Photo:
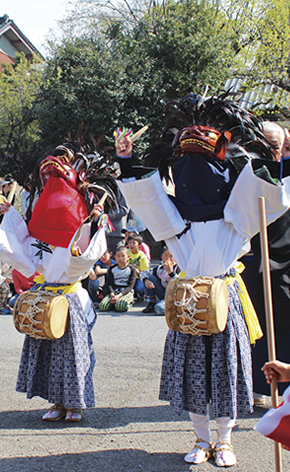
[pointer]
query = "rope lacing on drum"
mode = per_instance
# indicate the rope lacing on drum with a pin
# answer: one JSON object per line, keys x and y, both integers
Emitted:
{"x": 188, "y": 302}
{"x": 33, "y": 309}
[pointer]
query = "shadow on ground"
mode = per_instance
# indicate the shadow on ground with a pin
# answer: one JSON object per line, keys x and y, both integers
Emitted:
{"x": 101, "y": 418}
{"x": 124, "y": 460}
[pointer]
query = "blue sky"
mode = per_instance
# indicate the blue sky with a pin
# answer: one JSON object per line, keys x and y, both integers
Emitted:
{"x": 35, "y": 18}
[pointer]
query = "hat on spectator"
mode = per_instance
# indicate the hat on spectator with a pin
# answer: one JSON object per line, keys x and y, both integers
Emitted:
{"x": 130, "y": 229}
{"x": 6, "y": 180}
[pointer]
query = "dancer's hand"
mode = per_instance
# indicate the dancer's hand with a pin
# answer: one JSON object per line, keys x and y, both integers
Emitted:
{"x": 97, "y": 211}
{"x": 124, "y": 148}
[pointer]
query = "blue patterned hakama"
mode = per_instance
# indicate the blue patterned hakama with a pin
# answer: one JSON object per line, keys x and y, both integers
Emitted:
{"x": 60, "y": 371}
{"x": 197, "y": 369}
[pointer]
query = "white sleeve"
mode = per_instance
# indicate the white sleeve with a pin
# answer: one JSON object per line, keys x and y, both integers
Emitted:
{"x": 241, "y": 209}
{"x": 77, "y": 265}
{"x": 15, "y": 243}
{"x": 150, "y": 202}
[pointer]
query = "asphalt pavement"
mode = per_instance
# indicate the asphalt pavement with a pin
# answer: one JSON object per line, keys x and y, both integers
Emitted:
{"x": 129, "y": 430}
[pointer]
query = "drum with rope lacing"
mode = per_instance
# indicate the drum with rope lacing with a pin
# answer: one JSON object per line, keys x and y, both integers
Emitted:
{"x": 197, "y": 305}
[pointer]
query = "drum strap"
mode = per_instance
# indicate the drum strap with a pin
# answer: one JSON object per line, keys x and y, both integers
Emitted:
{"x": 56, "y": 288}
{"x": 254, "y": 328}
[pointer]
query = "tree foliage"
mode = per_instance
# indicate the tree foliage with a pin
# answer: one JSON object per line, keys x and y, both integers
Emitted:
{"x": 19, "y": 124}
{"x": 262, "y": 37}
{"x": 258, "y": 30}
{"x": 122, "y": 75}
{"x": 80, "y": 85}
{"x": 120, "y": 60}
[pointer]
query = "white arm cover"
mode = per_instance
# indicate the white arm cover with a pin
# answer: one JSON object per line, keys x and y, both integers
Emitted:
{"x": 15, "y": 248}
{"x": 150, "y": 202}
{"x": 241, "y": 209}
{"x": 76, "y": 266}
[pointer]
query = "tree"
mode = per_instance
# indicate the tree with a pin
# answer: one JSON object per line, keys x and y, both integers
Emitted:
{"x": 255, "y": 34}
{"x": 123, "y": 74}
{"x": 180, "y": 47}
{"x": 19, "y": 125}
{"x": 262, "y": 38}
{"x": 80, "y": 85}
{"x": 88, "y": 16}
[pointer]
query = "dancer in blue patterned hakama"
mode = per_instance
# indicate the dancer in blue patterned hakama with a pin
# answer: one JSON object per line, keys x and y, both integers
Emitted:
{"x": 63, "y": 239}
{"x": 59, "y": 370}
{"x": 192, "y": 373}
{"x": 207, "y": 226}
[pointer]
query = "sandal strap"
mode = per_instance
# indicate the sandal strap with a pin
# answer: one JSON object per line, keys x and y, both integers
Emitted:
{"x": 207, "y": 450}
{"x": 58, "y": 407}
{"x": 202, "y": 441}
{"x": 222, "y": 446}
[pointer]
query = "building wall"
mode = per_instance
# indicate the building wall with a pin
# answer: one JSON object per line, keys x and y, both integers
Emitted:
{"x": 4, "y": 58}
{"x": 7, "y": 47}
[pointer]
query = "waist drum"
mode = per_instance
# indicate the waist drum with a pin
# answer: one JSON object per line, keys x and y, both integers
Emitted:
{"x": 197, "y": 305}
{"x": 41, "y": 314}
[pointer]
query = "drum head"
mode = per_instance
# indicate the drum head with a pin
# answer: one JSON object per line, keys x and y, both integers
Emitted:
{"x": 218, "y": 307}
{"x": 170, "y": 309}
{"x": 41, "y": 314}
{"x": 56, "y": 323}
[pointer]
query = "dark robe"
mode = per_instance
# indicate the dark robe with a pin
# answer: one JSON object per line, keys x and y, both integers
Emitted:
{"x": 279, "y": 255}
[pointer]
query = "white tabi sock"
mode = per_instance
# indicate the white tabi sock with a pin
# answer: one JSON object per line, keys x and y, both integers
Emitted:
{"x": 201, "y": 426}
{"x": 225, "y": 426}
{"x": 224, "y": 454}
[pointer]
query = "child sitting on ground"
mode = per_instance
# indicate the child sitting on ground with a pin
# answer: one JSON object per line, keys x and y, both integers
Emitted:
{"x": 121, "y": 278}
{"x": 98, "y": 274}
{"x": 137, "y": 260}
{"x": 156, "y": 281}
{"x": 143, "y": 246}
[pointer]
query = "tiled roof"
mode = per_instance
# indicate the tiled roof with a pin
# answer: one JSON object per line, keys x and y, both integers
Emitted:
{"x": 260, "y": 97}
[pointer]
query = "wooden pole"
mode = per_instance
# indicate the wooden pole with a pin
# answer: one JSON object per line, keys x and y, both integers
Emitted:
{"x": 103, "y": 199}
{"x": 139, "y": 133}
{"x": 269, "y": 314}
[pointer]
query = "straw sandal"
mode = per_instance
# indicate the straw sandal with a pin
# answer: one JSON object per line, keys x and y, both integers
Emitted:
{"x": 56, "y": 413}
{"x": 260, "y": 401}
{"x": 223, "y": 453}
{"x": 73, "y": 414}
{"x": 202, "y": 454}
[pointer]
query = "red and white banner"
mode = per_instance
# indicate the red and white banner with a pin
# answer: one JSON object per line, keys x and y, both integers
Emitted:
{"x": 275, "y": 424}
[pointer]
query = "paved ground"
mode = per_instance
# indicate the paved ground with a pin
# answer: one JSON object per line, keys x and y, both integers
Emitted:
{"x": 129, "y": 430}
